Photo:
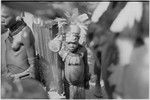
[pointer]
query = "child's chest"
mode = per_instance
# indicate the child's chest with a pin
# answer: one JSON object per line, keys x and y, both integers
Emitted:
{"x": 75, "y": 59}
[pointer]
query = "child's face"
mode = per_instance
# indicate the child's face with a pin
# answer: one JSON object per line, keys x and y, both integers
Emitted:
{"x": 72, "y": 37}
{"x": 72, "y": 46}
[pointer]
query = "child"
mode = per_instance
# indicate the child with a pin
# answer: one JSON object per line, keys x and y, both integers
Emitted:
{"x": 68, "y": 44}
{"x": 76, "y": 68}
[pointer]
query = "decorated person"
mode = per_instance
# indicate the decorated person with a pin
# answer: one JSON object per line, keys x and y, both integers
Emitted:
{"x": 69, "y": 45}
{"x": 20, "y": 51}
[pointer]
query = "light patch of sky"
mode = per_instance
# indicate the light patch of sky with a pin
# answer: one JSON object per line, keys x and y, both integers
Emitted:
{"x": 98, "y": 12}
{"x": 126, "y": 18}
{"x": 125, "y": 48}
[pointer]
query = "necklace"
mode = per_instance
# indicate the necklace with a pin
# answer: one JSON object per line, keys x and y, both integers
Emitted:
{"x": 15, "y": 29}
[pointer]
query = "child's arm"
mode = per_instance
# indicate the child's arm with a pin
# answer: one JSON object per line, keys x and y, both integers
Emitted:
{"x": 87, "y": 74}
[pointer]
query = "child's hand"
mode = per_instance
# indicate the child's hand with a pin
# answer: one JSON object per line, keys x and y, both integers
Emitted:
{"x": 87, "y": 78}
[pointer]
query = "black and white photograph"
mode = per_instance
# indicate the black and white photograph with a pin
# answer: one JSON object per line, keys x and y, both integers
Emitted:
{"x": 67, "y": 49}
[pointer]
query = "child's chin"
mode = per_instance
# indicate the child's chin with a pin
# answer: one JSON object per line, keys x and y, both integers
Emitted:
{"x": 72, "y": 49}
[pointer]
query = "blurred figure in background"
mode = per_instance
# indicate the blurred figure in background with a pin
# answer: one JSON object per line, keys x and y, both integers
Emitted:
{"x": 123, "y": 43}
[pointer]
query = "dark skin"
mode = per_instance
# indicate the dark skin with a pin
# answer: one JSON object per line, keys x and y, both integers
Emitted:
{"x": 20, "y": 51}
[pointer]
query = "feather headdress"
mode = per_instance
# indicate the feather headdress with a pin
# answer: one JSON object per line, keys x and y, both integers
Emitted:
{"x": 73, "y": 18}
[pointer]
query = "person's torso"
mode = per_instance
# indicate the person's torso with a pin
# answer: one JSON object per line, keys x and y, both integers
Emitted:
{"x": 16, "y": 56}
{"x": 74, "y": 73}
